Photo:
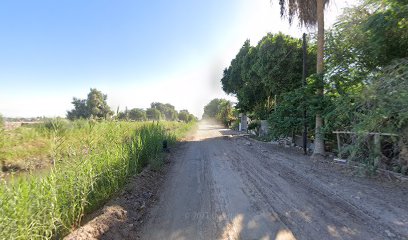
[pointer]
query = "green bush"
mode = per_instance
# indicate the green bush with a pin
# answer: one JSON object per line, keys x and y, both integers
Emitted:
{"x": 235, "y": 124}
{"x": 255, "y": 125}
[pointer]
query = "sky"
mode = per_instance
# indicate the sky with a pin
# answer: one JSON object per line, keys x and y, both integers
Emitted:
{"x": 136, "y": 52}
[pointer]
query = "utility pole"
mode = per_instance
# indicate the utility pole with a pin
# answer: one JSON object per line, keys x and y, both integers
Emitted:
{"x": 304, "y": 74}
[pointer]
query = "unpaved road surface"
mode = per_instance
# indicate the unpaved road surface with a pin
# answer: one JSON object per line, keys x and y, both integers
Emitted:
{"x": 223, "y": 186}
{"x": 219, "y": 185}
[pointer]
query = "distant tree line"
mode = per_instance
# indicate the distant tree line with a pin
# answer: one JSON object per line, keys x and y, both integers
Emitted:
{"x": 96, "y": 107}
{"x": 156, "y": 112}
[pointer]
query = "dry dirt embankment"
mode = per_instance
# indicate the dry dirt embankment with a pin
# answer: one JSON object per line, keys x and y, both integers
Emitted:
{"x": 222, "y": 186}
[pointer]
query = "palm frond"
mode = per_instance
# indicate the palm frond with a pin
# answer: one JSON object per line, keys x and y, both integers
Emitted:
{"x": 304, "y": 10}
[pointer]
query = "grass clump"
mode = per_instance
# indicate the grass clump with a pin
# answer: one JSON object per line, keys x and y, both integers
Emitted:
{"x": 91, "y": 162}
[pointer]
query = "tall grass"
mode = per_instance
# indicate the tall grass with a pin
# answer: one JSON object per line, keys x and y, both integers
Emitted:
{"x": 88, "y": 169}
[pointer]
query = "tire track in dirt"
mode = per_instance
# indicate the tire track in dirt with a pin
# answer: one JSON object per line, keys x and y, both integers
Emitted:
{"x": 224, "y": 186}
{"x": 266, "y": 171}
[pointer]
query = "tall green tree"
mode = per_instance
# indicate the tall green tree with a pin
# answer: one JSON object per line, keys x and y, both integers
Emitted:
{"x": 260, "y": 74}
{"x": 311, "y": 13}
{"x": 95, "y": 106}
{"x": 220, "y": 109}
{"x": 371, "y": 35}
{"x": 363, "y": 42}
{"x": 80, "y": 109}
{"x": 211, "y": 109}
{"x": 225, "y": 113}
{"x": 241, "y": 79}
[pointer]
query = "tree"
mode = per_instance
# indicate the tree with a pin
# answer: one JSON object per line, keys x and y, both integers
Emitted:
{"x": 225, "y": 112}
{"x": 211, "y": 109}
{"x": 80, "y": 109}
{"x": 153, "y": 114}
{"x": 219, "y": 109}
{"x": 123, "y": 115}
{"x": 137, "y": 114}
{"x": 168, "y": 111}
{"x": 372, "y": 34}
{"x": 185, "y": 116}
{"x": 241, "y": 79}
{"x": 260, "y": 74}
{"x": 97, "y": 105}
{"x": 357, "y": 52}
{"x": 311, "y": 13}
{"x": 94, "y": 106}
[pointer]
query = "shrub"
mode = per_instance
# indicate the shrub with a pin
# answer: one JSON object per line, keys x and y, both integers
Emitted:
{"x": 255, "y": 125}
{"x": 235, "y": 124}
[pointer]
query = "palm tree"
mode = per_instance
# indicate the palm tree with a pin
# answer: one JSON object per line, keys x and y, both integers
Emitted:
{"x": 311, "y": 13}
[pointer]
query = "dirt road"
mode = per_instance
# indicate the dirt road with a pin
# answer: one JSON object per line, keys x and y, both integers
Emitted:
{"x": 228, "y": 187}
{"x": 223, "y": 186}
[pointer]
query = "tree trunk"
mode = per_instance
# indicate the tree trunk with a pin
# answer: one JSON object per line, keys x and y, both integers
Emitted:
{"x": 319, "y": 136}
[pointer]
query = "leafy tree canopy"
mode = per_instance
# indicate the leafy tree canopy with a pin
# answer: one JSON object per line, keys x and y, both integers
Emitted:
{"x": 259, "y": 73}
{"x": 168, "y": 111}
{"x": 137, "y": 114}
{"x": 185, "y": 116}
{"x": 153, "y": 114}
{"x": 220, "y": 109}
{"x": 95, "y": 106}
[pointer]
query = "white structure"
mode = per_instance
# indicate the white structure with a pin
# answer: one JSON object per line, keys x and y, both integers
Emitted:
{"x": 243, "y": 125}
{"x": 264, "y": 128}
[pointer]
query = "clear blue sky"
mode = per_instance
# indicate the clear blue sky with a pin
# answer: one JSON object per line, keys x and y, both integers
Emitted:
{"x": 135, "y": 51}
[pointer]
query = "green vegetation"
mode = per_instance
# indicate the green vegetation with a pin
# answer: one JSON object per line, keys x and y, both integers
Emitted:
{"x": 91, "y": 161}
{"x": 255, "y": 126}
{"x": 185, "y": 116}
{"x": 259, "y": 73}
{"x": 311, "y": 13}
{"x": 221, "y": 110}
{"x": 364, "y": 82}
{"x": 94, "y": 106}
{"x": 25, "y": 148}
{"x": 154, "y": 114}
{"x": 135, "y": 114}
{"x": 168, "y": 112}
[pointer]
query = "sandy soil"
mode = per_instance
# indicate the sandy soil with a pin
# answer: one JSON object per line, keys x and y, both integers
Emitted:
{"x": 223, "y": 186}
